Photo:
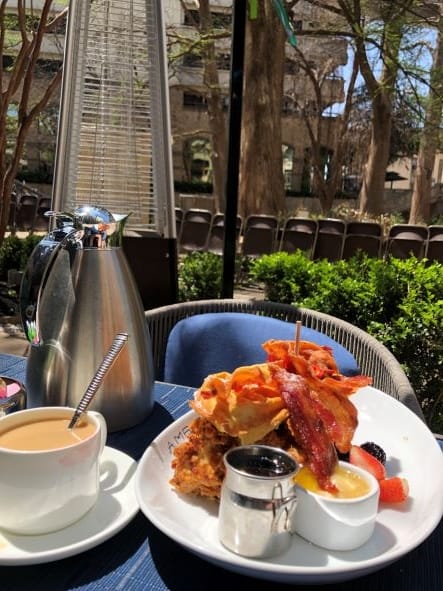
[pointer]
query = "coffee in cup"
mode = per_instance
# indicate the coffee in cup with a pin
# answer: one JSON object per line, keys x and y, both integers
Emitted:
{"x": 46, "y": 434}
{"x": 49, "y": 474}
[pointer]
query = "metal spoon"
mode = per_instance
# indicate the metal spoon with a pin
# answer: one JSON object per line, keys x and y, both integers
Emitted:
{"x": 105, "y": 366}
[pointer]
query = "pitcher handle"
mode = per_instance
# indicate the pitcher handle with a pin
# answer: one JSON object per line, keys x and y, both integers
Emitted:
{"x": 35, "y": 277}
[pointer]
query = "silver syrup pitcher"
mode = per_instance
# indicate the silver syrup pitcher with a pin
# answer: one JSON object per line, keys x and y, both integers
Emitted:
{"x": 77, "y": 293}
{"x": 257, "y": 501}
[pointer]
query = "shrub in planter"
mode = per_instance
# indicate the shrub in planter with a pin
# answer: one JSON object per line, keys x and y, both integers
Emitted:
{"x": 11, "y": 251}
{"x": 29, "y": 243}
{"x": 200, "y": 276}
{"x": 415, "y": 332}
{"x": 360, "y": 290}
{"x": 416, "y": 338}
{"x": 286, "y": 277}
{"x": 397, "y": 301}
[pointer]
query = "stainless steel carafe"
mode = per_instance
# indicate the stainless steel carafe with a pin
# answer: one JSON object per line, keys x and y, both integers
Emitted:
{"x": 77, "y": 293}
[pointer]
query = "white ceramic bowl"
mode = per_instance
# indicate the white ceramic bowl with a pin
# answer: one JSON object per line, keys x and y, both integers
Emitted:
{"x": 337, "y": 523}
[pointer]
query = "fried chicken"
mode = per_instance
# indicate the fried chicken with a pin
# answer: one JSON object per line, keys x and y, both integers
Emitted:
{"x": 198, "y": 462}
{"x": 297, "y": 401}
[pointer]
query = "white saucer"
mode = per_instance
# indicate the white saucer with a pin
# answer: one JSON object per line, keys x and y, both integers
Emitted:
{"x": 116, "y": 506}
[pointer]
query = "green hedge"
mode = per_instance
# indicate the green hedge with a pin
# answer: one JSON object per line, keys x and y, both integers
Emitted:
{"x": 200, "y": 276}
{"x": 397, "y": 301}
{"x": 15, "y": 252}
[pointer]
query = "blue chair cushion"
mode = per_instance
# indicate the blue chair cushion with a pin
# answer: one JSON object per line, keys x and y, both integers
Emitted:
{"x": 209, "y": 343}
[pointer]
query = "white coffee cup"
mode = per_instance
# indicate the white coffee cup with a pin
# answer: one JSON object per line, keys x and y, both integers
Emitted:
{"x": 44, "y": 491}
{"x": 337, "y": 523}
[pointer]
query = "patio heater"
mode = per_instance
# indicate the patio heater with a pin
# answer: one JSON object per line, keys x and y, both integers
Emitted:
{"x": 113, "y": 145}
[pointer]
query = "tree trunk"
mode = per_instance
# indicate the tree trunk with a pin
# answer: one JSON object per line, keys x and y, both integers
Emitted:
{"x": 381, "y": 92}
{"x": 261, "y": 186}
{"x": 17, "y": 89}
{"x": 217, "y": 121}
{"x": 373, "y": 187}
{"x": 421, "y": 194}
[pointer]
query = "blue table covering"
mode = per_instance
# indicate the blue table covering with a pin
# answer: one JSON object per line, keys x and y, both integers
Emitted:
{"x": 141, "y": 558}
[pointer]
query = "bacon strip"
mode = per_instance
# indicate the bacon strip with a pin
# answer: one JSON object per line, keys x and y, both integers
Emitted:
{"x": 316, "y": 363}
{"x": 339, "y": 416}
{"x": 308, "y": 427}
{"x": 328, "y": 387}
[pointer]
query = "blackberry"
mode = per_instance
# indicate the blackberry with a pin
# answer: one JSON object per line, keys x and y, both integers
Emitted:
{"x": 375, "y": 450}
{"x": 343, "y": 456}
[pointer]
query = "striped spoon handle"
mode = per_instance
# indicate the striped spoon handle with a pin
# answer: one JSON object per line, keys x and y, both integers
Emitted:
{"x": 105, "y": 366}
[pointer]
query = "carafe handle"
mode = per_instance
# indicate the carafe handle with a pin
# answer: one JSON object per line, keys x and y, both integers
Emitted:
{"x": 39, "y": 266}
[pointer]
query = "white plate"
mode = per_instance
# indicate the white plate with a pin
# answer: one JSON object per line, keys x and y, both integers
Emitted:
{"x": 116, "y": 506}
{"x": 412, "y": 452}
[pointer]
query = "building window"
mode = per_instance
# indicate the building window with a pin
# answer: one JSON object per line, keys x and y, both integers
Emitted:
{"x": 326, "y": 157}
{"x": 48, "y": 66}
{"x": 220, "y": 20}
{"x": 290, "y": 106}
{"x": 292, "y": 67}
{"x": 195, "y": 101}
{"x": 288, "y": 153}
{"x": 8, "y": 62}
{"x": 307, "y": 170}
{"x": 306, "y": 175}
{"x": 224, "y": 61}
{"x": 191, "y": 18}
{"x": 192, "y": 60}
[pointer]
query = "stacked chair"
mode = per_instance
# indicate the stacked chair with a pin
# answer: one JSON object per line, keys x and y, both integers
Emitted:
{"x": 259, "y": 235}
{"x": 366, "y": 237}
{"x": 27, "y": 209}
{"x": 298, "y": 233}
{"x": 405, "y": 240}
{"x": 326, "y": 238}
{"x": 178, "y": 220}
{"x": 12, "y": 213}
{"x": 41, "y": 221}
{"x": 194, "y": 231}
{"x": 434, "y": 246}
{"x": 216, "y": 238}
{"x": 330, "y": 237}
{"x": 26, "y": 212}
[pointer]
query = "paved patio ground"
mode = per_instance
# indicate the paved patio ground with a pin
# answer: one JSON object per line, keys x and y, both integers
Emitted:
{"x": 12, "y": 338}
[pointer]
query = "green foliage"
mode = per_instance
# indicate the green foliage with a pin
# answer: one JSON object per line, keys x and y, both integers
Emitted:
{"x": 200, "y": 276}
{"x": 15, "y": 252}
{"x": 41, "y": 175}
{"x": 286, "y": 276}
{"x": 416, "y": 338}
{"x": 28, "y": 245}
{"x": 11, "y": 251}
{"x": 397, "y": 301}
{"x": 343, "y": 289}
{"x": 243, "y": 265}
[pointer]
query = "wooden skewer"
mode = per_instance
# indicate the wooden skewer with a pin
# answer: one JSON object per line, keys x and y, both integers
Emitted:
{"x": 297, "y": 336}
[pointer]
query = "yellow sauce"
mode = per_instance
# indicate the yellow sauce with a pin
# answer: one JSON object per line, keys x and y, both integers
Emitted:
{"x": 350, "y": 484}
